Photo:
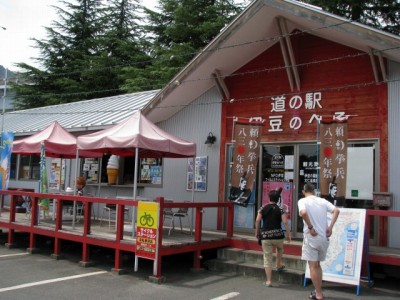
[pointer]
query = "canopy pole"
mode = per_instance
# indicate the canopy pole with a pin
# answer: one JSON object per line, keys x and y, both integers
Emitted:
{"x": 74, "y": 185}
{"x": 193, "y": 183}
{"x": 135, "y": 187}
{"x": 136, "y": 263}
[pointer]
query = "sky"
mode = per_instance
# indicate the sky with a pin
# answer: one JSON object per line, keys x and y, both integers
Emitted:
{"x": 23, "y": 20}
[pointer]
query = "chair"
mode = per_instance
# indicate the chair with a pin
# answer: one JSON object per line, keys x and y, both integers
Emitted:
{"x": 112, "y": 209}
{"x": 182, "y": 212}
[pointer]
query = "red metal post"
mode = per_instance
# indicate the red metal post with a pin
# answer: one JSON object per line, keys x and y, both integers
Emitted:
{"x": 57, "y": 246}
{"x": 86, "y": 218}
{"x": 59, "y": 209}
{"x": 13, "y": 208}
{"x": 198, "y": 224}
{"x": 120, "y": 222}
{"x": 85, "y": 252}
{"x": 160, "y": 201}
{"x": 34, "y": 211}
{"x": 197, "y": 260}
{"x": 117, "y": 260}
{"x": 229, "y": 225}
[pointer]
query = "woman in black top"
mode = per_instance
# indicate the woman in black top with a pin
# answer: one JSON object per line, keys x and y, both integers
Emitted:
{"x": 271, "y": 233}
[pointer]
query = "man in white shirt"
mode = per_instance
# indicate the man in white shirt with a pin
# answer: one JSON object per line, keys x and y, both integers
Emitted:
{"x": 316, "y": 233}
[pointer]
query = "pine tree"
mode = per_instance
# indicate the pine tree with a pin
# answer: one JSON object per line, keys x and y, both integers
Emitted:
{"x": 83, "y": 53}
{"x": 381, "y": 14}
{"x": 178, "y": 31}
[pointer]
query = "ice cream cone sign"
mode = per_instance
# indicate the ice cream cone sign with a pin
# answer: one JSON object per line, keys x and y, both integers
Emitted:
{"x": 112, "y": 169}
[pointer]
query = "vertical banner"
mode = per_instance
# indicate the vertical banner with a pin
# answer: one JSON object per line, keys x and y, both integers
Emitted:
{"x": 247, "y": 136}
{"x": 7, "y": 139}
{"x": 147, "y": 225}
{"x": 333, "y": 162}
{"x": 44, "y": 184}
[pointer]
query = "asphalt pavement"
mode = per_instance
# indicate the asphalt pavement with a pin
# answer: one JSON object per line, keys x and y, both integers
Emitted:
{"x": 39, "y": 276}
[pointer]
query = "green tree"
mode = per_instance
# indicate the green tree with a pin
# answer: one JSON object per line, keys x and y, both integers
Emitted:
{"x": 381, "y": 14}
{"x": 68, "y": 50}
{"x": 177, "y": 31}
{"x": 83, "y": 53}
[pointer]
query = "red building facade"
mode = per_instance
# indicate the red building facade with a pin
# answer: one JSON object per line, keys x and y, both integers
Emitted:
{"x": 330, "y": 81}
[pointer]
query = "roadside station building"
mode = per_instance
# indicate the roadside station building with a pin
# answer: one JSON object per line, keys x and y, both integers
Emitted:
{"x": 291, "y": 65}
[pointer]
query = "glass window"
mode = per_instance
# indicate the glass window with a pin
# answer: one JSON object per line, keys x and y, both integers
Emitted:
{"x": 278, "y": 174}
{"x": 29, "y": 167}
{"x": 150, "y": 170}
{"x": 13, "y": 166}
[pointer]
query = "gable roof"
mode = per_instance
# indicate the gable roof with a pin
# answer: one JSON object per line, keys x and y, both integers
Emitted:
{"x": 94, "y": 114}
{"x": 254, "y": 31}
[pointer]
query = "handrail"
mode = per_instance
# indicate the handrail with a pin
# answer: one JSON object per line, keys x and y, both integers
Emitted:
{"x": 85, "y": 236}
{"x": 382, "y": 230}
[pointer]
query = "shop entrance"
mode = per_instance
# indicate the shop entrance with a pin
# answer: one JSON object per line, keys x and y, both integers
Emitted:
{"x": 287, "y": 167}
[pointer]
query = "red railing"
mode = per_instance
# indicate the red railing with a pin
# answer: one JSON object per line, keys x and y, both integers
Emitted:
{"x": 119, "y": 243}
{"x": 389, "y": 256}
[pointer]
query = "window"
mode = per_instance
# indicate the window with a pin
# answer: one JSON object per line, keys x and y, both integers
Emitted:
{"x": 13, "y": 166}
{"x": 29, "y": 167}
{"x": 150, "y": 170}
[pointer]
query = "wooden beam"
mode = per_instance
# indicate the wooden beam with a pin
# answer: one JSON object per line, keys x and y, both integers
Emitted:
{"x": 383, "y": 67}
{"x": 291, "y": 53}
{"x": 373, "y": 64}
{"x": 284, "y": 54}
{"x": 219, "y": 81}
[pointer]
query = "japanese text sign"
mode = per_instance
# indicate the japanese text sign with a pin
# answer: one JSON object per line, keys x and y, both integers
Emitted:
{"x": 333, "y": 161}
{"x": 245, "y": 157}
{"x": 147, "y": 230}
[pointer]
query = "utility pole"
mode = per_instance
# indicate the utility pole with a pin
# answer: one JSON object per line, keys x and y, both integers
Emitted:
{"x": 4, "y": 106}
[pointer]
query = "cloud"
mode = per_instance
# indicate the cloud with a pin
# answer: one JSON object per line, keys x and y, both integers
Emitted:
{"x": 24, "y": 19}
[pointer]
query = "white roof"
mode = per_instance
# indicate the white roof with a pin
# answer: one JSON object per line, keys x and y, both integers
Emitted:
{"x": 88, "y": 115}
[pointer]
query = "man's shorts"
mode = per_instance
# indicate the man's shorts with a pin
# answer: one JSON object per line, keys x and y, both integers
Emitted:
{"x": 314, "y": 247}
{"x": 268, "y": 247}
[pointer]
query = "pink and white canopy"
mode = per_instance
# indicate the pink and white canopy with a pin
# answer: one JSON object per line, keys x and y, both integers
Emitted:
{"x": 58, "y": 142}
{"x": 136, "y": 132}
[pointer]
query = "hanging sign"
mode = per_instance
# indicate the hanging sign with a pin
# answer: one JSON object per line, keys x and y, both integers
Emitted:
{"x": 7, "y": 139}
{"x": 247, "y": 134}
{"x": 333, "y": 161}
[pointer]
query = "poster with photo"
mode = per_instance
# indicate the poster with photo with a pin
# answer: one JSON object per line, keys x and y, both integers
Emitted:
{"x": 197, "y": 174}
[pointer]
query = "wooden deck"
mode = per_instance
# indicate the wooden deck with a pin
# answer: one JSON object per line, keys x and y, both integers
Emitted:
{"x": 88, "y": 230}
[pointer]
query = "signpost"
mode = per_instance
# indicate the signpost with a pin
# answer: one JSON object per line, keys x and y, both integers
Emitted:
{"x": 147, "y": 231}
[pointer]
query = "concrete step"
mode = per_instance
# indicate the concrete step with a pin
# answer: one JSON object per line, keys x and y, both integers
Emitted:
{"x": 251, "y": 263}
{"x": 256, "y": 257}
{"x": 289, "y": 276}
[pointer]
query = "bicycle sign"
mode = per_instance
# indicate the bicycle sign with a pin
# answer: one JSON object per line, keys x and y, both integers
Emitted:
{"x": 146, "y": 220}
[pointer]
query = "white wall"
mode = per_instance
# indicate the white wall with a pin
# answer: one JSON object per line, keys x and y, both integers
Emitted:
{"x": 394, "y": 149}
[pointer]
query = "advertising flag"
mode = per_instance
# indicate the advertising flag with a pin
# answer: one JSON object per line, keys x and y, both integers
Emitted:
{"x": 7, "y": 139}
{"x": 333, "y": 161}
{"x": 246, "y": 149}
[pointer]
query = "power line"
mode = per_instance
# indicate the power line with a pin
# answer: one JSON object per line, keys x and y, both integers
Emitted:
{"x": 271, "y": 39}
{"x": 333, "y": 59}
{"x": 245, "y": 99}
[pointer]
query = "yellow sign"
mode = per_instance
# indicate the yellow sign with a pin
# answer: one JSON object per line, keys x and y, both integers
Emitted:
{"x": 147, "y": 230}
{"x": 148, "y": 214}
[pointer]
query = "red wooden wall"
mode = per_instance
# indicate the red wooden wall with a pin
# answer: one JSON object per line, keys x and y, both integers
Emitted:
{"x": 343, "y": 75}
